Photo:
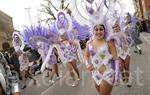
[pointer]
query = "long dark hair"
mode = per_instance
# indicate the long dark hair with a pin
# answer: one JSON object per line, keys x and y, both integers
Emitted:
{"x": 105, "y": 33}
{"x": 100, "y": 25}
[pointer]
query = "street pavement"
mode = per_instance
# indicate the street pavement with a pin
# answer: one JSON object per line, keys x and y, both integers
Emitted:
{"x": 140, "y": 78}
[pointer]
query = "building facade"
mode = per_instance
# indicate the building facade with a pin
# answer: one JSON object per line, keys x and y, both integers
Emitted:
{"x": 145, "y": 4}
{"x": 6, "y": 29}
{"x": 142, "y": 7}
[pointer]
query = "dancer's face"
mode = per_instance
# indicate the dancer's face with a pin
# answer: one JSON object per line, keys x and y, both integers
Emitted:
{"x": 99, "y": 31}
{"x": 116, "y": 28}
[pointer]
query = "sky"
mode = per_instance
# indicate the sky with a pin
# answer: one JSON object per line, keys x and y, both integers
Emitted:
{"x": 17, "y": 11}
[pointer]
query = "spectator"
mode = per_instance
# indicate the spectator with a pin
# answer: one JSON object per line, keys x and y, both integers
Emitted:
{"x": 143, "y": 23}
{"x": 24, "y": 68}
{"x": 148, "y": 25}
{"x": 15, "y": 61}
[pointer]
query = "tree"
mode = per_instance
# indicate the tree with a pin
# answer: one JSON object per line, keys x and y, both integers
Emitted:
{"x": 50, "y": 8}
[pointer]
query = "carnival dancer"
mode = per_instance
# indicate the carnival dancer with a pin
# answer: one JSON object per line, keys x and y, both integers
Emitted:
{"x": 98, "y": 56}
{"x": 78, "y": 34}
{"x": 68, "y": 47}
{"x": 123, "y": 50}
{"x": 133, "y": 31}
{"x": 38, "y": 38}
{"x": 24, "y": 68}
{"x": 42, "y": 50}
{"x": 100, "y": 52}
{"x": 53, "y": 62}
{"x": 69, "y": 50}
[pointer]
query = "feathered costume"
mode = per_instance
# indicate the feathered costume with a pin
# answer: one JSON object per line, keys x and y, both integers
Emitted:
{"x": 133, "y": 29}
{"x": 94, "y": 13}
{"x": 121, "y": 38}
{"x": 73, "y": 30}
{"x": 37, "y": 38}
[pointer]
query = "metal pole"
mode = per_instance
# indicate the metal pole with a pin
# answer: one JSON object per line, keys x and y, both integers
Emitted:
{"x": 29, "y": 14}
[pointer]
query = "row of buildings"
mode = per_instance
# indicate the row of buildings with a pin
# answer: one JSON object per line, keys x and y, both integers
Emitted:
{"x": 142, "y": 8}
{"x": 6, "y": 29}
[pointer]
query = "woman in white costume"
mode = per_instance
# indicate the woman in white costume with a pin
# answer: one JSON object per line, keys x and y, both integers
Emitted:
{"x": 24, "y": 68}
{"x": 123, "y": 51}
{"x": 98, "y": 56}
{"x": 68, "y": 47}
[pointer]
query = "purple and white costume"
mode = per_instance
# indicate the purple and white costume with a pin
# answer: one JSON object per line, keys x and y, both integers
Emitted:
{"x": 101, "y": 56}
{"x": 121, "y": 43}
{"x": 66, "y": 24}
{"x": 24, "y": 63}
{"x": 53, "y": 58}
{"x": 41, "y": 50}
{"x": 68, "y": 52}
{"x": 98, "y": 57}
{"x": 37, "y": 38}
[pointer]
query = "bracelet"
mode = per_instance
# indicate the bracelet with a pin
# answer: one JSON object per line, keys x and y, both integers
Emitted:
{"x": 117, "y": 70}
{"x": 117, "y": 62}
{"x": 87, "y": 63}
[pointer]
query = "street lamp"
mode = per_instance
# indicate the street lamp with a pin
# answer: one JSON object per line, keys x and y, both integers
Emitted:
{"x": 29, "y": 14}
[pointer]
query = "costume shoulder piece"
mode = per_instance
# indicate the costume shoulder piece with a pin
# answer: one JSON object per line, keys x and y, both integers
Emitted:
{"x": 18, "y": 41}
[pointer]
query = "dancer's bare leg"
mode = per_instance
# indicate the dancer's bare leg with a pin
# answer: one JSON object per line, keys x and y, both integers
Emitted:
{"x": 127, "y": 68}
{"x": 70, "y": 69}
{"x": 105, "y": 88}
{"x": 74, "y": 65}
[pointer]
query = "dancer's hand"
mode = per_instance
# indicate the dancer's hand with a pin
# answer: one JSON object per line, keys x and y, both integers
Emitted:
{"x": 90, "y": 67}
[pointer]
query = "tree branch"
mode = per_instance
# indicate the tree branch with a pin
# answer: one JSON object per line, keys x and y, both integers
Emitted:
{"x": 62, "y": 4}
{"x": 52, "y": 5}
{"x": 50, "y": 12}
{"x": 66, "y": 6}
{"x": 49, "y": 8}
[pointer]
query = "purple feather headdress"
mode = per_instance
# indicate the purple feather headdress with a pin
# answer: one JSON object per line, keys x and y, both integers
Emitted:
{"x": 105, "y": 13}
{"x": 83, "y": 30}
{"x": 33, "y": 34}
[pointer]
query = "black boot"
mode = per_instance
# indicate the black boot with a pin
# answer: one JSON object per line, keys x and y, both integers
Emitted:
{"x": 135, "y": 51}
{"x": 140, "y": 51}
